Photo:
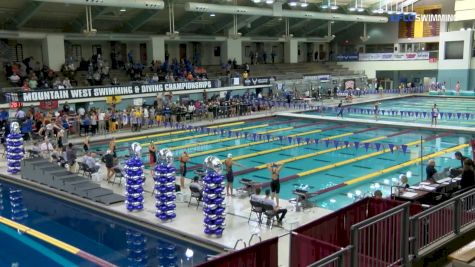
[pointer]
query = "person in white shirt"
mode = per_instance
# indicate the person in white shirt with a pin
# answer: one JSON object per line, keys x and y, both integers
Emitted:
{"x": 277, "y": 210}
{"x": 20, "y": 114}
{"x": 145, "y": 117}
{"x": 102, "y": 123}
{"x": 256, "y": 196}
{"x": 90, "y": 161}
{"x": 81, "y": 111}
{"x": 67, "y": 83}
{"x": 46, "y": 148}
{"x": 14, "y": 78}
{"x": 191, "y": 108}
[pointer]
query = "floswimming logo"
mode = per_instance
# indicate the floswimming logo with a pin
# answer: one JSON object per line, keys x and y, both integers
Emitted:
{"x": 422, "y": 17}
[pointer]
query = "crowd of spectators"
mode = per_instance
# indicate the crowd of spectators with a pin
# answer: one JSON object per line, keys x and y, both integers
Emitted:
{"x": 29, "y": 74}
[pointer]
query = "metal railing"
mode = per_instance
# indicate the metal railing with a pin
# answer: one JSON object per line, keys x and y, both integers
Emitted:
{"x": 334, "y": 260}
{"x": 382, "y": 239}
{"x": 440, "y": 224}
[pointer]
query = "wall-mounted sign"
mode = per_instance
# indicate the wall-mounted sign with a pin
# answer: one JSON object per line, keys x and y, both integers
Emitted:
{"x": 319, "y": 77}
{"x": 258, "y": 81}
{"x": 394, "y": 56}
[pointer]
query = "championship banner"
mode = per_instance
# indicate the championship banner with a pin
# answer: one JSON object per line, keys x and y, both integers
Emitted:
{"x": 108, "y": 91}
{"x": 394, "y": 56}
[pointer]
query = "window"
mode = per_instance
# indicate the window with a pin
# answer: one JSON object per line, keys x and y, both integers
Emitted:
{"x": 454, "y": 50}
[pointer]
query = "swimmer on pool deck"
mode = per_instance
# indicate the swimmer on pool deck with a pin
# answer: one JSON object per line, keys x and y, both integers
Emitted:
{"x": 184, "y": 158}
{"x": 435, "y": 115}
{"x": 376, "y": 110}
{"x": 274, "y": 169}
{"x": 229, "y": 174}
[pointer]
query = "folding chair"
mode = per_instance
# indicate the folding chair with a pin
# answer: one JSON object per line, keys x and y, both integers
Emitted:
{"x": 195, "y": 194}
{"x": 256, "y": 207}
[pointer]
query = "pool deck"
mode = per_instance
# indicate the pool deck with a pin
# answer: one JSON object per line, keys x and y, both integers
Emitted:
{"x": 189, "y": 220}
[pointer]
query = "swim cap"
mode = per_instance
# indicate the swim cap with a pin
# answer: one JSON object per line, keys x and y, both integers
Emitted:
{"x": 230, "y": 155}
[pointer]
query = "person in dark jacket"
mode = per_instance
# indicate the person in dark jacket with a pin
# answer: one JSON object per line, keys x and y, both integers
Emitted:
{"x": 108, "y": 159}
{"x": 71, "y": 155}
{"x": 468, "y": 175}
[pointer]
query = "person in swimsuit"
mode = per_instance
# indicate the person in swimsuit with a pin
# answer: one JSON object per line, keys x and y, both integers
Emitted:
{"x": 376, "y": 110}
{"x": 152, "y": 150}
{"x": 435, "y": 115}
{"x": 184, "y": 158}
{"x": 340, "y": 109}
{"x": 229, "y": 174}
{"x": 113, "y": 148}
{"x": 86, "y": 144}
{"x": 274, "y": 169}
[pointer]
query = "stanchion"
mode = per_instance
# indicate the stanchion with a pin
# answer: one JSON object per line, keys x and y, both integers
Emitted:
{"x": 164, "y": 177}
{"x": 213, "y": 197}
{"x": 135, "y": 179}
{"x": 14, "y": 153}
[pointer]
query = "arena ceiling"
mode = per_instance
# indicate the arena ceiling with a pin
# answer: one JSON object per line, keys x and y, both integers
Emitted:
{"x": 29, "y": 15}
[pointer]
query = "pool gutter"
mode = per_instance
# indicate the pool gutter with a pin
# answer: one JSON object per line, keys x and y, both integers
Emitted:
{"x": 160, "y": 228}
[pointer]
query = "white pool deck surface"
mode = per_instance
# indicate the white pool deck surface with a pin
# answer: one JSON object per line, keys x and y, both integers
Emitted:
{"x": 189, "y": 220}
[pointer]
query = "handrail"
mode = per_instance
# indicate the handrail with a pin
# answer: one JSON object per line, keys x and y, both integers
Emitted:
{"x": 237, "y": 242}
{"x": 381, "y": 216}
{"x": 56, "y": 243}
{"x": 333, "y": 257}
{"x": 442, "y": 205}
{"x": 252, "y": 236}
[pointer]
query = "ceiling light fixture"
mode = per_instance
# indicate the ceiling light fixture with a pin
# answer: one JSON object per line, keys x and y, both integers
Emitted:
{"x": 269, "y": 2}
{"x": 334, "y": 7}
{"x": 122, "y": 9}
{"x": 293, "y": 3}
{"x": 360, "y": 9}
{"x": 325, "y": 6}
{"x": 212, "y": 15}
{"x": 354, "y": 8}
{"x": 304, "y": 3}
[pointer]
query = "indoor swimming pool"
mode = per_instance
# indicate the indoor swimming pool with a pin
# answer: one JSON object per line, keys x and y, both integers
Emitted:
{"x": 345, "y": 156}
{"x": 453, "y": 110}
{"x": 110, "y": 239}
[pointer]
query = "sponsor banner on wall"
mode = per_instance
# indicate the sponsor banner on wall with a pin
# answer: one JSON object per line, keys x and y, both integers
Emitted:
{"x": 258, "y": 81}
{"x": 319, "y": 77}
{"x": 394, "y": 56}
{"x": 89, "y": 92}
{"x": 347, "y": 57}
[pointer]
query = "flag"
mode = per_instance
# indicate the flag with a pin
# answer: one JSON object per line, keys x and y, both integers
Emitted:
{"x": 268, "y": 137}
{"x": 237, "y": 134}
{"x": 357, "y": 145}
{"x": 366, "y": 146}
{"x": 246, "y": 134}
{"x": 281, "y": 138}
{"x": 378, "y": 146}
{"x": 417, "y": 114}
{"x": 208, "y": 130}
{"x": 336, "y": 143}
{"x": 222, "y": 132}
{"x": 404, "y": 148}
{"x": 458, "y": 115}
{"x": 307, "y": 140}
{"x": 424, "y": 113}
{"x": 391, "y": 147}
{"x": 347, "y": 143}
{"x": 316, "y": 141}
{"x": 467, "y": 116}
{"x": 230, "y": 133}
{"x": 327, "y": 142}
{"x": 299, "y": 140}
{"x": 289, "y": 139}
{"x": 450, "y": 115}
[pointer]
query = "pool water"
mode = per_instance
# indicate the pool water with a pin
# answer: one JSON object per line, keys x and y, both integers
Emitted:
{"x": 323, "y": 166}
{"x": 420, "y": 104}
{"x": 111, "y": 239}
